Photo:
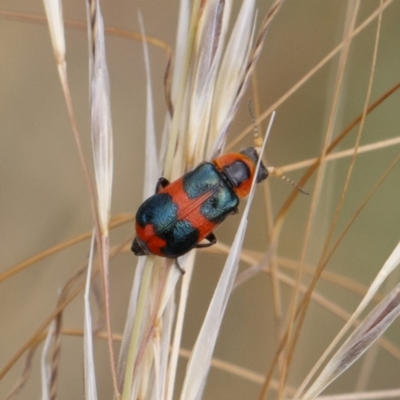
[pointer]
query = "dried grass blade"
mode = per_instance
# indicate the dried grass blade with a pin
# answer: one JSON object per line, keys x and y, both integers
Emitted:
{"x": 391, "y": 263}
{"x": 374, "y": 325}
{"x": 231, "y": 73}
{"x": 102, "y": 147}
{"x": 370, "y": 395}
{"x": 130, "y": 386}
{"x": 152, "y": 167}
{"x": 90, "y": 372}
{"x": 209, "y": 42}
{"x": 162, "y": 322}
{"x": 54, "y": 16}
{"x": 133, "y": 301}
{"x": 181, "y": 43}
{"x": 167, "y": 324}
{"x": 200, "y": 360}
{"x": 102, "y": 137}
{"x": 175, "y": 348}
{"x": 44, "y": 368}
{"x": 173, "y": 164}
{"x": 152, "y": 171}
{"x": 246, "y": 73}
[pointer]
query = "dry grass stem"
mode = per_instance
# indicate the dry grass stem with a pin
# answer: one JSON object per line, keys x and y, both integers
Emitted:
{"x": 296, "y": 289}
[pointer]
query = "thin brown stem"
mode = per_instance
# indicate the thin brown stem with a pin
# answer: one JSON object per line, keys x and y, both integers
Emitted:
{"x": 24, "y": 376}
{"x": 115, "y": 222}
{"x": 60, "y": 307}
{"x": 307, "y": 76}
{"x": 301, "y": 310}
{"x": 335, "y": 142}
{"x": 352, "y": 15}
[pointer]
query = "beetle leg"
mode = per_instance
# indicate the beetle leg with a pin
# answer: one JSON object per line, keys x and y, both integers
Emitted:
{"x": 181, "y": 270}
{"x": 162, "y": 183}
{"x": 235, "y": 211}
{"x": 211, "y": 239}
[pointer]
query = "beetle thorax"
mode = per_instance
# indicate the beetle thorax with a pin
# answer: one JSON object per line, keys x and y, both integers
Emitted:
{"x": 238, "y": 170}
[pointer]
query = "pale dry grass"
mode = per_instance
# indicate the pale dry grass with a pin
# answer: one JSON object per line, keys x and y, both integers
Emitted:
{"x": 317, "y": 255}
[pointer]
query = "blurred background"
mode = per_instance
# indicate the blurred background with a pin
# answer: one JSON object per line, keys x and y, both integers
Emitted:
{"x": 44, "y": 200}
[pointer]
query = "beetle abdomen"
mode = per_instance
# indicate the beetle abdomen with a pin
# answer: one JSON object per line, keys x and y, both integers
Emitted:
{"x": 173, "y": 221}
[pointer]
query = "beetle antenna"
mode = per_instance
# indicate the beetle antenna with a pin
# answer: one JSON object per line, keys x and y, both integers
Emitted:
{"x": 258, "y": 143}
{"x": 279, "y": 173}
{"x": 257, "y": 138}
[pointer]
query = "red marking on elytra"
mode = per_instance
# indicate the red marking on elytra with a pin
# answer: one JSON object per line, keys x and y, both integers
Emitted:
{"x": 153, "y": 242}
{"x": 189, "y": 209}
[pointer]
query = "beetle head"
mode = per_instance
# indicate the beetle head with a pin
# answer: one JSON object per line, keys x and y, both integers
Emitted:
{"x": 137, "y": 248}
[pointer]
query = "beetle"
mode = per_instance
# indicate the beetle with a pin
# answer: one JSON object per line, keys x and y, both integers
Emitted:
{"x": 181, "y": 214}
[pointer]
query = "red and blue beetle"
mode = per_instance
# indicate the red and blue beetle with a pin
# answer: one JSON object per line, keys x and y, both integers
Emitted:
{"x": 181, "y": 214}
